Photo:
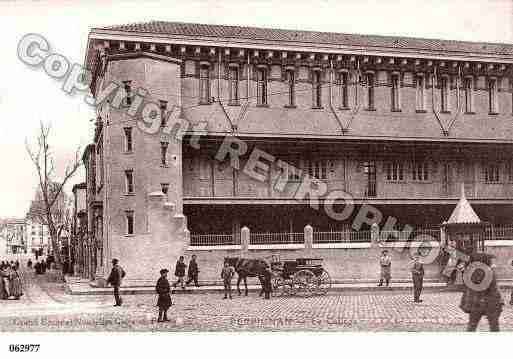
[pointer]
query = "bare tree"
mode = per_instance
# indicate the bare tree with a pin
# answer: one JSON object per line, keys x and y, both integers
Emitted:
{"x": 50, "y": 209}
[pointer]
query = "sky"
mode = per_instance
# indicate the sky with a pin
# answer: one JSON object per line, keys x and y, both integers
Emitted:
{"x": 28, "y": 96}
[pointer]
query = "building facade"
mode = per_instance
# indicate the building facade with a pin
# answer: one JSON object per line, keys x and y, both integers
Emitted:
{"x": 280, "y": 130}
{"x": 15, "y": 236}
{"x": 38, "y": 237}
{"x": 80, "y": 253}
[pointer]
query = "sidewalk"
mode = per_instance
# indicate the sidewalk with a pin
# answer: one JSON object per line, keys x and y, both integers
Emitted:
{"x": 77, "y": 286}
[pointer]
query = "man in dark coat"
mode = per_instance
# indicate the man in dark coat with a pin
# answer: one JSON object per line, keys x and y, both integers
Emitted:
{"x": 417, "y": 273}
{"x": 479, "y": 302}
{"x": 180, "y": 272}
{"x": 163, "y": 289}
{"x": 266, "y": 280}
{"x": 192, "y": 271}
{"x": 43, "y": 267}
{"x": 116, "y": 275}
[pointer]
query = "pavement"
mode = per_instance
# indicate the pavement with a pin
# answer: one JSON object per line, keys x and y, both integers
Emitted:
{"x": 46, "y": 306}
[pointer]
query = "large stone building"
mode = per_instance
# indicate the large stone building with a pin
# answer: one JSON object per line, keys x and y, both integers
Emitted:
{"x": 397, "y": 124}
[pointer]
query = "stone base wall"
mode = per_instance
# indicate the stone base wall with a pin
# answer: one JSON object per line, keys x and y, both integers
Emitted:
{"x": 343, "y": 264}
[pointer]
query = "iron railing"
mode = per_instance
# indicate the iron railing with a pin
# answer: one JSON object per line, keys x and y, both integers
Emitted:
{"x": 214, "y": 240}
{"x": 344, "y": 236}
{"x": 276, "y": 238}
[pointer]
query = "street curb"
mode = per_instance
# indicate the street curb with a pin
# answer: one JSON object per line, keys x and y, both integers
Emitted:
{"x": 337, "y": 288}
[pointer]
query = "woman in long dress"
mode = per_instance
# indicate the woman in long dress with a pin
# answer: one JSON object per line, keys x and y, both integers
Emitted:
{"x": 4, "y": 286}
{"x": 15, "y": 287}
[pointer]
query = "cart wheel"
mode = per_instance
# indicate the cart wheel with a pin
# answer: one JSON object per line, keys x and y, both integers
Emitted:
{"x": 304, "y": 282}
{"x": 323, "y": 282}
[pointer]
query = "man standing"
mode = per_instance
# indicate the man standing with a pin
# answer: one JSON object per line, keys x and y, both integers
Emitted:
{"x": 115, "y": 277}
{"x": 192, "y": 271}
{"x": 267, "y": 282}
{"x": 227, "y": 274}
{"x": 385, "y": 263}
{"x": 417, "y": 273}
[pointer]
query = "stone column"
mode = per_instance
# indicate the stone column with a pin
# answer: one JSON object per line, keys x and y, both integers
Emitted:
{"x": 308, "y": 233}
{"x": 375, "y": 235}
{"x": 244, "y": 241}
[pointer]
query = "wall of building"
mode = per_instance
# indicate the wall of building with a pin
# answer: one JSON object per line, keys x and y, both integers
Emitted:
{"x": 162, "y": 81}
{"x": 344, "y": 265}
{"x": 206, "y": 177}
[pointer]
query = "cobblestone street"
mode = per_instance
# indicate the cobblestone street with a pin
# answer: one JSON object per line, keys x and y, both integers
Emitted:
{"x": 45, "y": 307}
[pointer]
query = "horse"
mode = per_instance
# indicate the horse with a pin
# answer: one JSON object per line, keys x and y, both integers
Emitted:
{"x": 247, "y": 267}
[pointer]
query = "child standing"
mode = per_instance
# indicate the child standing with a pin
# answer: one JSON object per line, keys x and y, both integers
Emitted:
{"x": 163, "y": 289}
{"x": 227, "y": 274}
{"x": 180, "y": 272}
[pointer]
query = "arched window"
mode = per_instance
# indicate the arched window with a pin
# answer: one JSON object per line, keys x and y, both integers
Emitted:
{"x": 233, "y": 78}
{"x": 204, "y": 84}
{"x": 291, "y": 87}
{"x": 261, "y": 86}
{"x": 317, "y": 89}
{"x": 343, "y": 83}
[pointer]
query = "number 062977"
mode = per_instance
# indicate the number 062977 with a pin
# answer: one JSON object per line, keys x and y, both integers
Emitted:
{"x": 24, "y": 348}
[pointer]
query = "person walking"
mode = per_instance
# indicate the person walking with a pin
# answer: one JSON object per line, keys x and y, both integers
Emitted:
{"x": 115, "y": 278}
{"x": 15, "y": 287}
{"x": 42, "y": 266}
{"x": 227, "y": 274}
{"x": 180, "y": 272}
{"x": 29, "y": 264}
{"x": 417, "y": 273}
{"x": 163, "y": 289}
{"x": 192, "y": 271}
{"x": 385, "y": 263}
{"x": 511, "y": 299}
{"x": 266, "y": 281}
{"x": 4, "y": 283}
{"x": 477, "y": 301}
{"x": 37, "y": 268}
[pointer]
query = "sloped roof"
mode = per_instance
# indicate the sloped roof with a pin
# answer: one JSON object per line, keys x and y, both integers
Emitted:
{"x": 463, "y": 213}
{"x": 311, "y": 37}
{"x": 311, "y": 122}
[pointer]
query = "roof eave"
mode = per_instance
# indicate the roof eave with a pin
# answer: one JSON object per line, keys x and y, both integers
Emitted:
{"x": 116, "y": 35}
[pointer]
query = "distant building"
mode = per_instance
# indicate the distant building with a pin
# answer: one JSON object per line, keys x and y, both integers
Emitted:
{"x": 15, "y": 236}
{"x": 37, "y": 237}
{"x": 3, "y": 246}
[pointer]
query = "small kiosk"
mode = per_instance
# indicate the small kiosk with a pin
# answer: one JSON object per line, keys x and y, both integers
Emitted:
{"x": 462, "y": 234}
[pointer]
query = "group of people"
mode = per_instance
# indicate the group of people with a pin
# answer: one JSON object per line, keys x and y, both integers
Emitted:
{"x": 10, "y": 281}
{"x": 192, "y": 272}
{"x": 480, "y": 297}
{"x": 417, "y": 273}
{"x": 476, "y": 302}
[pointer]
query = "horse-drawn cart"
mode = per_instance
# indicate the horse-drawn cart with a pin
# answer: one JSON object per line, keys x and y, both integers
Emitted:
{"x": 302, "y": 276}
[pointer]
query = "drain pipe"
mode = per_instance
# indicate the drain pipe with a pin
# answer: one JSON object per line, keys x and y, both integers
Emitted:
{"x": 357, "y": 104}
{"x": 245, "y": 106}
{"x": 219, "y": 90}
{"x": 433, "y": 78}
{"x": 458, "y": 111}
{"x": 331, "y": 99}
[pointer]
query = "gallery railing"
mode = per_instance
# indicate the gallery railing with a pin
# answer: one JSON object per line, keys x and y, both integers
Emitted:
{"x": 214, "y": 240}
{"x": 276, "y": 238}
{"x": 344, "y": 236}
